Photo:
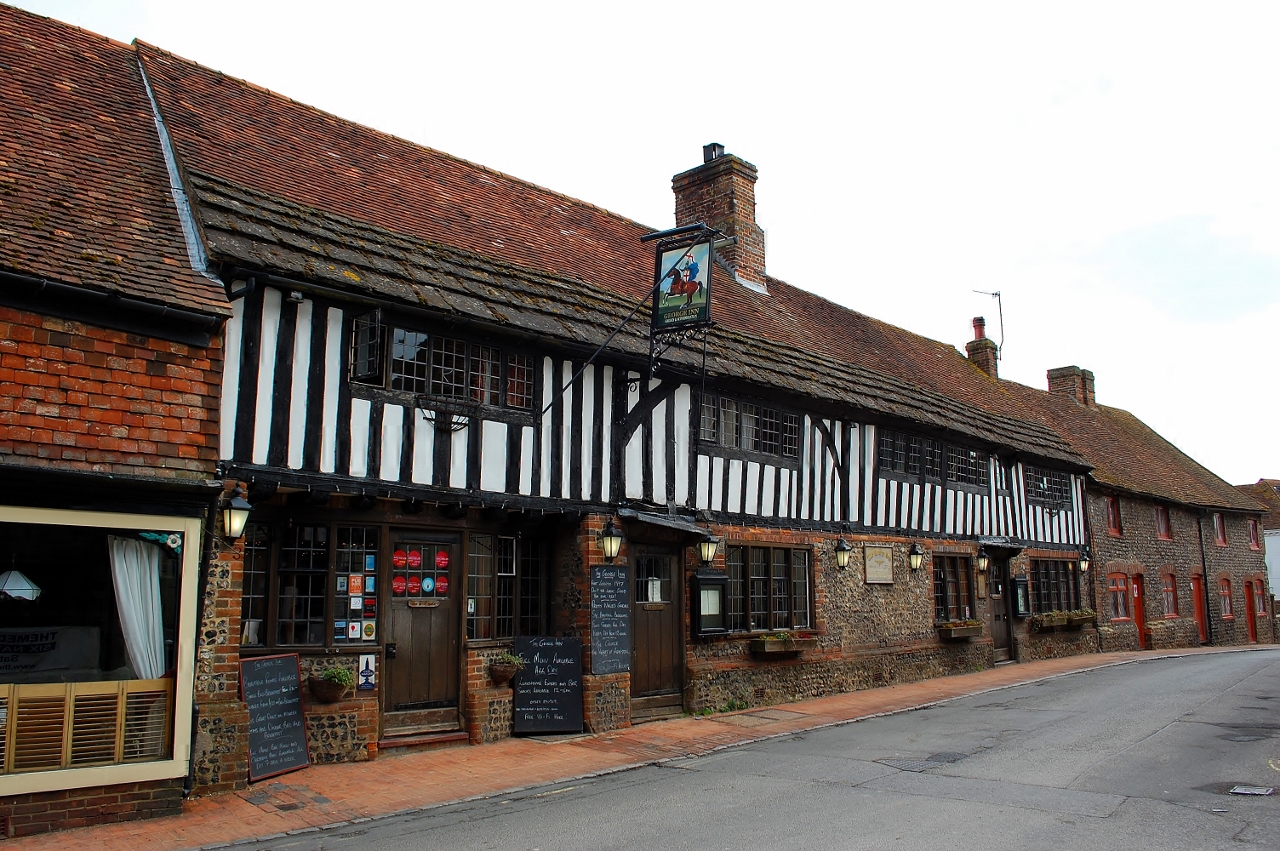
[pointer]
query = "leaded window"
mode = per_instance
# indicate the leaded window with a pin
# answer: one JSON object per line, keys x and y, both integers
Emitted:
{"x": 746, "y": 425}
{"x": 767, "y": 589}
{"x": 966, "y": 466}
{"x": 952, "y": 588}
{"x": 1047, "y": 487}
{"x": 1054, "y": 586}
{"x": 505, "y": 587}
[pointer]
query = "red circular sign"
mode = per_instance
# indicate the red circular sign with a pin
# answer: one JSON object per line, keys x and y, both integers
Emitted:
{"x": 398, "y": 584}
{"x": 399, "y": 559}
{"x": 415, "y": 559}
{"x": 415, "y": 585}
{"x": 442, "y": 585}
{"x": 442, "y": 559}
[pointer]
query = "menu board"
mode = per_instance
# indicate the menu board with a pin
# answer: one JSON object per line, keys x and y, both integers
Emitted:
{"x": 610, "y": 619}
{"x": 548, "y": 689}
{"x": 270, "y": 688}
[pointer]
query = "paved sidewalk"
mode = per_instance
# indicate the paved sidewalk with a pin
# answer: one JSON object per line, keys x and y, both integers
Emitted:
{"x": 328, "y": 795}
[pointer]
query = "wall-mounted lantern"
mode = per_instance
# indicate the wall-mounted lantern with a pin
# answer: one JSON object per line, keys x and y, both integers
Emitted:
{"x": 707, "y": 550}
{"x": 843, "y": 552}
{"x": 1084, "y": 560}
{"x": 610, "y": 541}
{"x": 916, "y": 556}
{"x": 235, "y": 515}
{"x": 984, "y": 560}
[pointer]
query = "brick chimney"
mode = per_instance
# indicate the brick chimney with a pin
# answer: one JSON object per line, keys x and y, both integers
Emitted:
{"x": 721, "y": 193}
{"x": 982, "y": 351}
{"x": 1074, "y": 382}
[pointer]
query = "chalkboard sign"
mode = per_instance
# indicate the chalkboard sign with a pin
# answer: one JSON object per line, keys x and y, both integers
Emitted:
{"x": 548, "y": 690}
{"x": 277, "y": 731}
{"x": 610, "y": 619}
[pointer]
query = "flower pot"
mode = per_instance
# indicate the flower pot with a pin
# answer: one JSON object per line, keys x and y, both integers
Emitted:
{"x": 325, "y": 691}
{"x": 501, "y": 672}
{"x": 779, "y": 647}
{"x": 957, "y": 632}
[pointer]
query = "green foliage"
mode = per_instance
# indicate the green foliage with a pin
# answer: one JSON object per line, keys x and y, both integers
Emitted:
{"x": 340, "y": 676}
{"x": 506, "y": 657}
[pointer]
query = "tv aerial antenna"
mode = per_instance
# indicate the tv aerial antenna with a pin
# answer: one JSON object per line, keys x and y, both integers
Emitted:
{"x": 1000, "y": 306}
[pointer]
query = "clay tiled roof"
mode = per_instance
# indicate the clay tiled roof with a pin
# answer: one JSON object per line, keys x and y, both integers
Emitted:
{"x": 1266, "y": 492}
{"x": 266, "y": 145}
{"x": 84, "y": 192}
{"x": 1126, "y": 454}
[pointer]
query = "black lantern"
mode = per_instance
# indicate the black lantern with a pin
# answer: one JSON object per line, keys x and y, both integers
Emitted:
{"x": 1084, "y": 560}
{"x": 843, "y": 551}
{"x": 916, "y": 556}
{"x": 235, "y": 514}
{"x": 610, "y": 541}
{"x": 984, "y": 560}
{"x": 707, "y": 549}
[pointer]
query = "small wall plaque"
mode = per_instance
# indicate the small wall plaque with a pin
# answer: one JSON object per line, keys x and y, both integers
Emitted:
{"x": 879, "y": 564}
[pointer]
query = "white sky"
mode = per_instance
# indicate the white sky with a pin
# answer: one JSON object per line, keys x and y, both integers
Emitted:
{"x": 1111, "y": 168}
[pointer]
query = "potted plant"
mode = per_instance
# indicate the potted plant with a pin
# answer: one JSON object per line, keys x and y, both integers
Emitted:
{"x": 330, "y": 686}
{"x": 782, "y": 644}
{"x": 504, "y": 666}
{"x": 970, "y": 628}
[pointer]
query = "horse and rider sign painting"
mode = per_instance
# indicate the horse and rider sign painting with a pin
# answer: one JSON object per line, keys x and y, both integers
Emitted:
{"x": 682, "y": 289}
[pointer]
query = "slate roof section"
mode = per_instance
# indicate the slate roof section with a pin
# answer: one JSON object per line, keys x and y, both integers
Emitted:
{"x": 1126, "y": 454}
{"x": 1266, "y": 492}
{"x": 84, "y": 191}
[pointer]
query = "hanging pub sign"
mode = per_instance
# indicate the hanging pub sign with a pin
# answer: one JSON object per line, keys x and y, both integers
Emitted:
{"x": 682, "y": 286}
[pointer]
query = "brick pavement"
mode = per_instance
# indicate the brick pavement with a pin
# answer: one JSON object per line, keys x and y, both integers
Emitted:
{"x": 326, "y": 795}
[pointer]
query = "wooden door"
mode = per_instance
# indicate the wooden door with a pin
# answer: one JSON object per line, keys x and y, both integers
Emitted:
{"x": 998, "y": 622}
{"x": 1250, "y": 616}
{"x": 1140, "y": 610}
{"x": 657, "y": 643}
{"x": 1197, "y": 603}
{"x": 421, "y": 692}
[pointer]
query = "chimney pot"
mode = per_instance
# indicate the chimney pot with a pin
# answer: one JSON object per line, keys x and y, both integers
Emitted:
{"x": 981, "y": 351}
{"x": 712, "y": 151}
{"x": 979, "y": 328}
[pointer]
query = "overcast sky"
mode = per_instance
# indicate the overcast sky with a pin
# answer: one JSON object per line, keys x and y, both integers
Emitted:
{"x": 1111, "y": 169}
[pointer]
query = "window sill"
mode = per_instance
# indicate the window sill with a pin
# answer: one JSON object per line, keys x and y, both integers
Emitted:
{"x": 1111, "y": 533}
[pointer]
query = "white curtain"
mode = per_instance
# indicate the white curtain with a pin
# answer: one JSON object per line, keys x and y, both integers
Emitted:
{"x": 135, "y": 572}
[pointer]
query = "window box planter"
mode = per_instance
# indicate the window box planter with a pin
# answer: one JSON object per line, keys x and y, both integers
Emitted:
{"x": 1077, "y": 621}
{"x": 955, "y": 631}
{"x": 781, "y": 647}
{"x": 1046, "y": 621}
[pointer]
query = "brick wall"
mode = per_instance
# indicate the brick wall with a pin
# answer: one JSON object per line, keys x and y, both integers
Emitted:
{"x": 41, "y": 812}
{"x": 77, "y": 397}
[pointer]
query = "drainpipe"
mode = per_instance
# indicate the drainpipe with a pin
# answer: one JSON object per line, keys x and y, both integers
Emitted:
{"x": 211, "y": 519}
{"x": 1204, "y": 571}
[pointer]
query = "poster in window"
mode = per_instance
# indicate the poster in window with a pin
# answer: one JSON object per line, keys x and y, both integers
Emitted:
{"x": 879, "y": 564}
{"x": 682, "y": 287}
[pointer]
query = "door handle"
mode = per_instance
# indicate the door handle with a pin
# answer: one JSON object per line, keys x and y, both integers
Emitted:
{"x": 391, "y": 650}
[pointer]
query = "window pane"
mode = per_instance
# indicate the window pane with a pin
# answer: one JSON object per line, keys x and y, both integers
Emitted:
{"x": 781, "y": 579}
{"x": 791, "y": 435}
{"x": 966, "y": 466}
{"x": 707, "y": 431}
{"x": 366, "y": 348}
{"x": 532, "y": 571}
{"x": 304, "y": 579}
{"x": 759, "y": 588}
{"x": 448, "y": 367}
{"x": 750, "y": 427}
{"x": 355, "y": 598}
{"x": 504, "y": 592}
{"x": 486, "y": 375}
{"x": 480, "y": 587}
{"x": 735, "y": 592}
{"x": 253, "y": 598}
{"x": 770, "y": 433}
{"x": 520, "y": 382}
{"x": 800, "y": 589}
{"x": 728, "y": 423}
{"x": 409, "y": 361}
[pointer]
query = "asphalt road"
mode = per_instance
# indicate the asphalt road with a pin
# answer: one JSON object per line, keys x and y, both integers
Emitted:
{"x": 1135, "y": 756}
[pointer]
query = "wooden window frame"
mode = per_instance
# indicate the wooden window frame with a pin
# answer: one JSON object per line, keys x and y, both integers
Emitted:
{"x": 1118, "y": 590}
{"x": 749, "y": 427}
{"x": 1219, "y": 529}
{"x": 1050, "y": 488}
{"x": 1115, "y": 521}
{"x": 1169, "y": 591}
{"x": 513, "y": 586}
{"x": 954, "y": 596}
{"x": 752, "y": 601}
{"x": 1225, "y": 605}
{"x": 1164, "y": 523}
{"x": 1055, "y": 586}
{"x": 1254, "y": 542}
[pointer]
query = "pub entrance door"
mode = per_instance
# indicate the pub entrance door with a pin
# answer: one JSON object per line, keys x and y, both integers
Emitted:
{"x": 657, "y": 642}
{"x": 999, "y": 606}
{"x": 420, "y": 694}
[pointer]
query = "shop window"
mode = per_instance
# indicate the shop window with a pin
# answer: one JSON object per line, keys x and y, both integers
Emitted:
{"x": 310, "y": 585}
{"x": 1118, "y": 592}
{"x": 1170, "y": 589}
{"x": 1053, "y": 585}
{"x": 1219, "y": 529}
{"x": 1114, "y": 526}
{"x": 505, "y": 587}
{"x": 423, "y": 364}
{"x": 1253, "y": 534}
{"x": 90, "y": 639}
{"x": 1224, "y": 598}
{"x": 952, "y": 588}
{"x": 745, "y": 425}
{"x": 767, "y": 589}
{"x": 1164, "y": 529}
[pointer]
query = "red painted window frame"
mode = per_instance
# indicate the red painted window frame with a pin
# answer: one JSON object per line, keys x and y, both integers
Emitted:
{"x": 1254, "y": 543}
{"x": 1115, "y": 525}
{"x": 1224, "y": 600}
{"x": 1260, "y": 599}
{"x": 1219, "y": 529}
{"x": 1118, "y": 589}
{"x": 1169, "y": 588}
{"x": 1164, "y": 525}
